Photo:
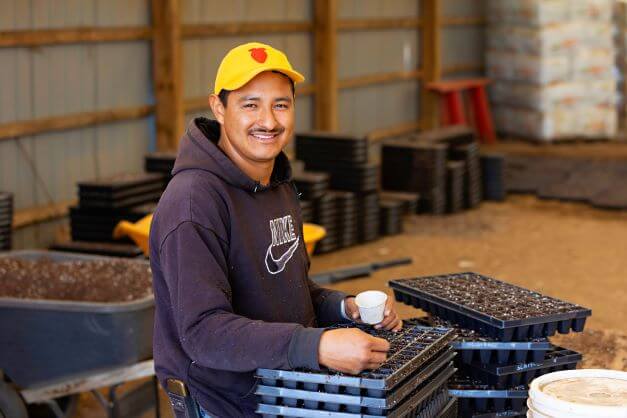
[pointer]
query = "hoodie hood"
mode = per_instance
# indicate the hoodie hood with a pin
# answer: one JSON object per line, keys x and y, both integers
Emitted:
{"x": 199, "y": 150}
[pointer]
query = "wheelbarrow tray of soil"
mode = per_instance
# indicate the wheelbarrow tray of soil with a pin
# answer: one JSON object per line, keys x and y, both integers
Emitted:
{"x": 45, "y": 340}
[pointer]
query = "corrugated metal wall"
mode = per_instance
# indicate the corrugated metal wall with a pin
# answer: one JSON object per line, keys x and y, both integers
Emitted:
{"x": 462, "y": 45}
{"x": 57, "y": 80}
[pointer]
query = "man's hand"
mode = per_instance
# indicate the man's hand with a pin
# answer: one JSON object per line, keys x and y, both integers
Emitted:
{"x": 350, "y": 350}
{"x": 391, "y": 321}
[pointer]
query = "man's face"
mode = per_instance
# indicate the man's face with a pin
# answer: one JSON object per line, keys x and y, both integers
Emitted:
{"x": 258, "y": 119}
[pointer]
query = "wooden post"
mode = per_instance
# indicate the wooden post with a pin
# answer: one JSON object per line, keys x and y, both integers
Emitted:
{"x": 167, "y": 73}
{"x": 430, "y": 15}
{"x": 325, "y": 44}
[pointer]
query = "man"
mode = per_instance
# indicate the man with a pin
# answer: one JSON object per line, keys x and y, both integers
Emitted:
{"x": 227, "y": 252}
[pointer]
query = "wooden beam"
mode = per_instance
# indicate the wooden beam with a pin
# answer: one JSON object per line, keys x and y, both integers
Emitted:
{"x": 463, "y": 68}
{"x": 38, "y": 214}
{"x": 204, "y": 30}
{"x": 384, "y": 23}
{"x": 379, "y": 78}
{"x": 463, "y": 21}
{"x": 325, "y": 52}
{"x": 202, "y": 102}
{"x": 430, "y": 10}
{"x": 168, "y": 74}
{"x": 31, "y": 38}
{"x": 73, "y": 121}
{"x": 395, "y": 130}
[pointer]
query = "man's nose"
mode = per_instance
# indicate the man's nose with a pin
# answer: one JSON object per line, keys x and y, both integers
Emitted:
{"x": 267, "y": 120}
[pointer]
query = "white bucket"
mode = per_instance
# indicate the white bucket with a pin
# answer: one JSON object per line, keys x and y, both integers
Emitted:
{"x": 579, "y": 393}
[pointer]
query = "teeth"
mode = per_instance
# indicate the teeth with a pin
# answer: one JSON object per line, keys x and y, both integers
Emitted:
{"x": 263, "y": 136}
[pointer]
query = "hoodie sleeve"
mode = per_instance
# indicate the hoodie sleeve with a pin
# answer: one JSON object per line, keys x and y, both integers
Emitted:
{"x": 193, "y": 262}
{"x": 328, "y": 304}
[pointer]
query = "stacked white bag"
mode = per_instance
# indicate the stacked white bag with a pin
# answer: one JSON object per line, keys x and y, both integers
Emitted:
{"x": 552, "y": 66}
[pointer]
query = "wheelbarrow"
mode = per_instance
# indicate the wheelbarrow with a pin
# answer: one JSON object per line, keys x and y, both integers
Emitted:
{"x": 53, "y": 349}
{"x": 140, "y": 230}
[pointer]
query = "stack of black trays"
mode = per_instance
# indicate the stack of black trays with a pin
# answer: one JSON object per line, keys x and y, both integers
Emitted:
{"x": 411, "y": 383}
{"x": 307, "y": 211}
{"x": 103, "y": 203}
{"x": 121, "y": 191}
{"x": 160, "y": 162}
{"x": 368, "y": 217}
{"x": 326, "y": 215}
{"x": 311, "y": 185}
{"x": 502, "y": 333}
{"x": 410, "y": 200}
{"x": 345, "y": 158}
{"x": 469, "y": 154}
{"x": 347, "y": 219}
{"x": 493, "y": 176}
{"x": 455, "y": 186}
{"x": 390, "y": 217}
{"x": 6, "y": 221}
{"x": 416, "y": 167}
{"x": 93, "y": 224}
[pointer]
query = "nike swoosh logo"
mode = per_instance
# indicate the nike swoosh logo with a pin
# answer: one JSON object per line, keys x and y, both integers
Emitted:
{"x": 275, "y": 266}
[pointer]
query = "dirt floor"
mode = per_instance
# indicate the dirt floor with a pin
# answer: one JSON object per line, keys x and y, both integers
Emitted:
{"x": 569, "y": 251}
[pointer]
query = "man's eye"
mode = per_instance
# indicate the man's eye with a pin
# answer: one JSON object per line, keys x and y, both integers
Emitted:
{"x": 282, "y": 106}
{"x": 250, "y": 105}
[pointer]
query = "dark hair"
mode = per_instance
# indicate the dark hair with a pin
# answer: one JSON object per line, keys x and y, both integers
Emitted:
{"x": 224, "y": 94}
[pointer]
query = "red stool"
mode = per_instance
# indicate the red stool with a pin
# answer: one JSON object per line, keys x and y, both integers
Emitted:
{"x": 451, "y": 91}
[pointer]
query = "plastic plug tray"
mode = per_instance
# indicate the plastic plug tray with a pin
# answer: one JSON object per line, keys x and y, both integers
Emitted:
{"x": 492, "y": 307}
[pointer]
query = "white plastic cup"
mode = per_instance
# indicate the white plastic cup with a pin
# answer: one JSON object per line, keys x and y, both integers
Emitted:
{"x": 371, "y": 306}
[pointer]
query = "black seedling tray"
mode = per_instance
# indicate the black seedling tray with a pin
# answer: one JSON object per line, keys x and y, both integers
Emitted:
{"x": 476, "y": 397}
{"x": 425, "y": 398}
{"x": 128, "y": 202}
{"x": 121, "y": 182}
{"x": 490, "y": 306}
{"x": 410, "y": 200}
{"x": 410, "y": 348}
{"x": 355, "y": 400}
{"x": 504, "y": 376}
{"x": 471, "y": 346}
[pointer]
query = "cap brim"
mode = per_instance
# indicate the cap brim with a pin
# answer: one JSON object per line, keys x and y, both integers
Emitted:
{"x": 295, "y": 76}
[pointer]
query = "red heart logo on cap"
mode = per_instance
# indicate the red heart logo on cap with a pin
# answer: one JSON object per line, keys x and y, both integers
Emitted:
{"x": 259, "y": 54}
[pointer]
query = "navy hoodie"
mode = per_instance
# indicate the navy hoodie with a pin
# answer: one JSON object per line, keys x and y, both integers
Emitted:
{"x": 230, "y": 277}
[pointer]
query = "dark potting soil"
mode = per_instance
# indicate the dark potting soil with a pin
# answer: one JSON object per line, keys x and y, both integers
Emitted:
{"x": 87, "y": 281}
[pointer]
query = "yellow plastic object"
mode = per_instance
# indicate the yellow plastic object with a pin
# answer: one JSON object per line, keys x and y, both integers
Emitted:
{"x": 138, "y": 232}
{"x": 312, "y": 234}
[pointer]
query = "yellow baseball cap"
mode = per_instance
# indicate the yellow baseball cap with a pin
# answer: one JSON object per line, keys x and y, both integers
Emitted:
{"x": 242, "y": 63}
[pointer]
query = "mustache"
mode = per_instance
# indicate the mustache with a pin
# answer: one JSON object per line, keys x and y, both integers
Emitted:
{"x": 276, "y": 131}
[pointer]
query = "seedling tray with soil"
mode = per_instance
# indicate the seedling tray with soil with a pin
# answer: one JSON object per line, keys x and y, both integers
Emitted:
{"x": 521, "y": 374}
{"x": 492, "y": 307}
{"x": 409, "y": 350}
{"x": 424, "y": 402}
{"x": 433, "y": 376}
{"x": 472, "y": 346}
{"x": 63, "y": 314}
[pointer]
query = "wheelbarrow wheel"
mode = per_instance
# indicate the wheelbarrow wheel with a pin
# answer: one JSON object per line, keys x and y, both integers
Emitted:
{"x": 11, "y": 405}
{"x": 66, "y": 408}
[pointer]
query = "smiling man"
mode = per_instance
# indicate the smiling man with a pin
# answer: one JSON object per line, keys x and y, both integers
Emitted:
{"x": 227, "y": 252}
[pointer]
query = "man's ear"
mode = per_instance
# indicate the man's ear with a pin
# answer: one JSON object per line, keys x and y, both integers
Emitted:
{"x": 217, "y": 108}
